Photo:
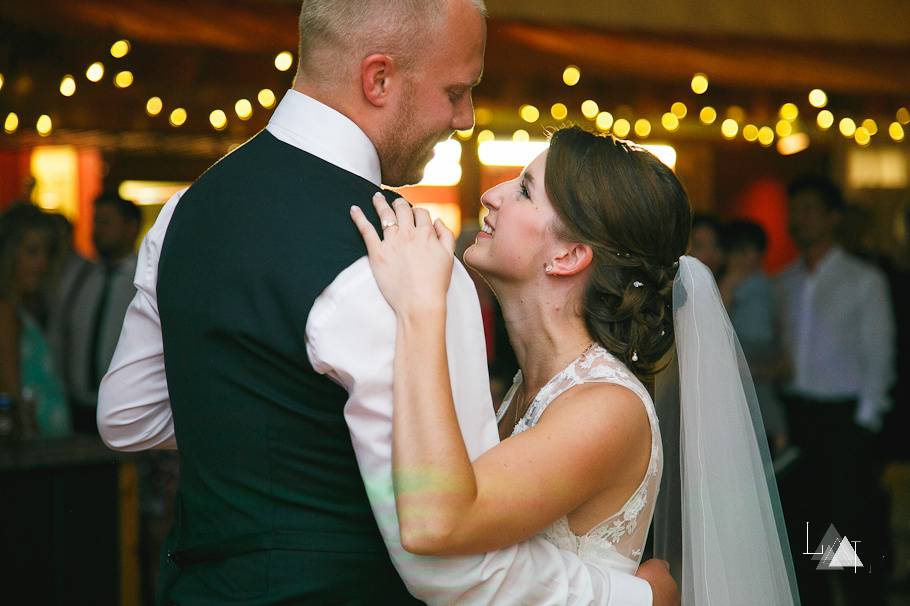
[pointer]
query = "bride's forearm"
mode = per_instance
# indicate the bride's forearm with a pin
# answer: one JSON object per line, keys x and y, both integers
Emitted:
{"x": 434, "y": 483}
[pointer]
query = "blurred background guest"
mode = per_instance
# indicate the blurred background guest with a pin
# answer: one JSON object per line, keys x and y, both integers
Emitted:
{"x": 749, "y": 297}
{"x": 27, "y": 372}
{"x": 90, "y": 305}
{"x": 704, "y": 243}
{"x": 838, "y": 331}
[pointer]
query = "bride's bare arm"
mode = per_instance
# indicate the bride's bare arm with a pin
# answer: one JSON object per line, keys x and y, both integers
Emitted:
{"x": 447, "y": 505}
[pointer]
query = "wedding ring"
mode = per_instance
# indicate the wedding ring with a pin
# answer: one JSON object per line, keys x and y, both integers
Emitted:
{"x": 388, "y": 224}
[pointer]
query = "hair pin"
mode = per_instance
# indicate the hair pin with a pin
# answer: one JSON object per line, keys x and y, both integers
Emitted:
{"x": 637, "y": 284}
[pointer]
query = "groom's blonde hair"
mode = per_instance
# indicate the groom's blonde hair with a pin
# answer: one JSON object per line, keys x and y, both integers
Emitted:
{"x": 399, "y": 28}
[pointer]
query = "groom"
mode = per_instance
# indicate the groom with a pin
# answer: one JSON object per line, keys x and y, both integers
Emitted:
{"x": 259, "y": 342}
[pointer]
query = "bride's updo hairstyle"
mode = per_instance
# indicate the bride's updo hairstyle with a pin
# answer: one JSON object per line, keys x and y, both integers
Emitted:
{"x": 633, "y": 212}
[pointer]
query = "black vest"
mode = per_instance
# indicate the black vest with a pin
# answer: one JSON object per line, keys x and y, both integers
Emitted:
{"x": 271, "y": 507}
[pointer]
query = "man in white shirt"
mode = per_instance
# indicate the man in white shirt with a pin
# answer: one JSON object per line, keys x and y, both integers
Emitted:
{"x": 367, "y": 114}
{"x": 838, "y": 329}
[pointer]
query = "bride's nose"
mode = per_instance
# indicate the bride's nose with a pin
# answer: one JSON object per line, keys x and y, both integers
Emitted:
{"x": 491, "y": 199}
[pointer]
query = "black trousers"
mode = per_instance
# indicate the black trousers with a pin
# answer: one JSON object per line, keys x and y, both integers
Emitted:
{"x": 836, "y": 481}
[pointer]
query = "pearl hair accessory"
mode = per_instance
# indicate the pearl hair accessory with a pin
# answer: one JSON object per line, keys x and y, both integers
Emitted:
{"x": 635, "y": 356}
{"x": 637, "y": 284}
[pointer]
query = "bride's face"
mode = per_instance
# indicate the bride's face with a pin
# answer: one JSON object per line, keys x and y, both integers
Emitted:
{"x": 518, "y": 238}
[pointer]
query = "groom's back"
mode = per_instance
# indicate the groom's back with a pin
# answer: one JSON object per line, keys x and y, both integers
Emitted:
{"x": 271, "y": 505}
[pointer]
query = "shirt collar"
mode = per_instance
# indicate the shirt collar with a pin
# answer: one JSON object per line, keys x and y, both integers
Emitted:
{"x": 830, "y": 260}
{"x": 316, "y": 128}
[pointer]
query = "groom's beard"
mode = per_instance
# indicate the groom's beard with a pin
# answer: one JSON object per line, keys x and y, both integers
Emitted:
{"x": 403, "y": 160}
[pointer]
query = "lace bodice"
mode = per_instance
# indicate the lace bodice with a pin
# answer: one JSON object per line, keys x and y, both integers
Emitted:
{"x": 617, "y": 541}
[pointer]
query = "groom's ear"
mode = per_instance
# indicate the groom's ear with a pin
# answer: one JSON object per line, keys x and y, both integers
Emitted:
{"x": 573, "y": 259}
{"x": 376, "y": 74}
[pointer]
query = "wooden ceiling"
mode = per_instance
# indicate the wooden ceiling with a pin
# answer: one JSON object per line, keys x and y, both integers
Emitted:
{"x": 202, "y": 54}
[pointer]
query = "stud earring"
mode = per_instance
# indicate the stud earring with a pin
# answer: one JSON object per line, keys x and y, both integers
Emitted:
{"x": 635, "y": 356}
{"x": 548, "y": 268}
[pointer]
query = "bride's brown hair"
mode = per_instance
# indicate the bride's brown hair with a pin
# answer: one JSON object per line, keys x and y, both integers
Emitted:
{"x": 633, "y": 212}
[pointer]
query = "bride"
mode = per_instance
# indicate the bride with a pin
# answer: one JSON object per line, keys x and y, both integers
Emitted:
{"x": 584, "y": 252}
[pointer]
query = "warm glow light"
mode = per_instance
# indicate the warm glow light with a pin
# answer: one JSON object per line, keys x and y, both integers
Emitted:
{"x": 825, "y": 119}
{"x": 243, "y": 108}
{"x": 765, "y": 136}
{"x": 120, "y": 48}
{"x": 817, "y": 98}
{"x": 483, "y": 116}
{"x": 750, "y": 133}
{"x": 571, "y": 75}
{"x": 149, "y": 193}
{"x": 484, "y": 136}
{"x": 95, "y": 71}
{"x": 444, "y": 169}
{"x": 903, "y": 115}
{"x": 283, "y": 61}
{"x": 509, "y": 153}
{"x": 153, "y": 106}
{"x": 793, "y": 144}
{"x": 218, "y": 119}
{"x": 870, "y": 125}
{"x": 789, "y": 111}
{"x": 177, "y": 117}
{"x": 12, "y": 123}
{"x": 604, "y": 121}
{"x": 664, "y": 153}
{"x": 862, "y": 136}
{"x": 465, "y": 135}
{"x": 642, "y": 128}
{"x": 529, "y": 113}
{"x": 729, "y": 128}
{"x": 266, "y": 98}
{"x": 589, "y": 109}
{"x": 1, "y": 81}
{"x": 895, "y": 130}
{"x": 708, "y": 115}
{"x": 784, "y": 128}
{"x": 123, "y": 79}
{"x": 68, "y": 86}
{"x": 521, "y": 136}
{"x": 44, "y": 126}
{"x": 621, "y": 128}
{"x": 847, "y": 127}
{"x": 559, "y": 111}
{"x": 669, "y": 121}
{"x": 56, "y": 172}
{"x": 679, "y": 109}
{"x": 699, "y": 84}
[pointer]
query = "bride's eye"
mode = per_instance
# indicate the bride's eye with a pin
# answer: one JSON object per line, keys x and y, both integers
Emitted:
{"x": 523, "y": 189}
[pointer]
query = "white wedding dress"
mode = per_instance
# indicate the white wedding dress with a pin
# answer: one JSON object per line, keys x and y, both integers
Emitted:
{"x": 616, "y": 542}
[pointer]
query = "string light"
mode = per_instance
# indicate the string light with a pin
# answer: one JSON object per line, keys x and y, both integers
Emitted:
{"x": 218, "y": 119}
{"x": 12, "y": 123}
{"x": 604, "y": 121}
{"x": 699, "y": 84}
{"x": 266, "y": 98}
{"x": 707, "y": 115}
{"x": 95, "y": 71}
{"x": 589, "y": 109}
{"x": 1, "y": 81}
{"x": 177, "y": 117}
{"x": 818, "y": 98}
{"x": 862, "y": 136}
{"x": 571, "y": 75}
{"x": 484, "y": 136}
{"x": 784, "y": 128}
{"x": 825, "y": 119}
{"x": 483, "y": 116}
{"x": 847, "y": 127}
{"x": 750, "y": 133}
{"x": 895, "y": 131}
{"x": 621, "y": 128}
{"x": 793, "y": 144}
{"x": 154, "y": 106}
{"x": 765, "y": 136}
{"x": 871, "y": 126}
{"x": 44, "y": 125}
{"x": 68, "y": 86}
{"x": 243, "y": 108}
{"x": 120, "y": 48}
{"x": 529, "y": 113}
{"x": 789, "y": 111}
{"x": 123, "y": 79}
{"x": 729, "y": 128}
{"x": 283, "y": 61}
{"x": 903, "y": 115}
{"x": 559, "y": 111}
{"x": 669, "y": 121}
{"x": 679, "y": 109}
{"x": 642, "y": 128}
{"x": 521, "y": 136}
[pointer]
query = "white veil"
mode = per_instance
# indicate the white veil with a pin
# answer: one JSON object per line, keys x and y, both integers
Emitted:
{"x": 718, "y": 518}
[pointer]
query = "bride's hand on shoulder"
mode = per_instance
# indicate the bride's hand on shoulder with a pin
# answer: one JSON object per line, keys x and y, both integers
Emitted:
{"x": 413, "y": 259}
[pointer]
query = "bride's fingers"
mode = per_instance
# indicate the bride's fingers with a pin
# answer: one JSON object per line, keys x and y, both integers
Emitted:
{"x": 445, "y": 235}
{"x": 404, "y": 213}
{"x": 386, "y": 214}
{"x": 366, "y": 229}
{"x": 422, "y": 218}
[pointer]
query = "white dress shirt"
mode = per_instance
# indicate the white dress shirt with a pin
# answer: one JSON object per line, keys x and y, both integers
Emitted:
{"x": 838, "y": 326}
{"x": 350, "y": 338}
